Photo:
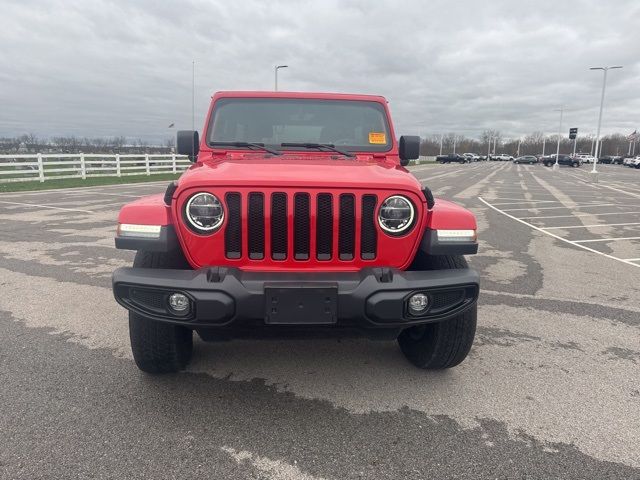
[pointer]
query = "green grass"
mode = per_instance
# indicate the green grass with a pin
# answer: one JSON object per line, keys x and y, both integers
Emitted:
{"x": 89, "y": 182}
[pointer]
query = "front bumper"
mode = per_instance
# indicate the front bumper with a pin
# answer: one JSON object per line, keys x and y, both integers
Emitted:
{"x": 230, "y": 298}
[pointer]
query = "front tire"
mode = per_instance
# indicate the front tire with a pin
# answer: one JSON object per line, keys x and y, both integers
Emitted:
{"x": 445, "y": 344}
{"x": 159, "y": 347}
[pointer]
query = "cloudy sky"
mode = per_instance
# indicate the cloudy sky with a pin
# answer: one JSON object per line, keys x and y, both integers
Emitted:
{"x": 123, "y": 67}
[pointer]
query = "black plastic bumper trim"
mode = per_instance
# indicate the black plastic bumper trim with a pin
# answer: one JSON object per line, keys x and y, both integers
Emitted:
{"x": 432, "y": 246}
{"x": 168, "y": 194}
{"x": 428, "y": 195}
{"x": 369, "y": 298}
{"x": 166, "y": 242}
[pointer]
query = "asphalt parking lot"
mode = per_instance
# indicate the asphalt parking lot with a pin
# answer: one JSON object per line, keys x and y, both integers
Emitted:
{"x": 550, "y": 390}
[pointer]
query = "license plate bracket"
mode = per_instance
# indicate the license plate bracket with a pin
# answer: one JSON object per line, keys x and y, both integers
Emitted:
{"x": 314, "y": 304}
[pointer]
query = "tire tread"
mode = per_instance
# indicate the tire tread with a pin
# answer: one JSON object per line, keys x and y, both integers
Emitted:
{"x": 443, "y": 344}
{"x": 159, "y": 347}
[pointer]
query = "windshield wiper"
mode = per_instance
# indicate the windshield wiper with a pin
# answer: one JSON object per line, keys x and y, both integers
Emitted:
{"x": 259, "y": 146}
{"x": 319, "y": 146}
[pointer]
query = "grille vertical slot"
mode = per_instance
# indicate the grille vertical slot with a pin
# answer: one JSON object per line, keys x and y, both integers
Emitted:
{"x": 255, "y": 226}
{"x": 301, "y": 226}
{"x": 324, "y": 227}
{"x": 233, "y": 231}
{"x": 347, "y": 227}
{"x": 368, "y": 233}
{"x": 279, "y": 226}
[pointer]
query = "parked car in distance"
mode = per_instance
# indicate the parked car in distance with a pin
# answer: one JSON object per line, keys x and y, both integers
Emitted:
{"x": 452, "y": 157}
{"x": 562, "y": 160}
{"x": 586, "y": 158}
{"x": 502, "y": 157}
{"x": 474, "y": 157}
{"x": 633, "y": 162}
{"x": 530, "y": 159}
{"x": 611, "y": 160}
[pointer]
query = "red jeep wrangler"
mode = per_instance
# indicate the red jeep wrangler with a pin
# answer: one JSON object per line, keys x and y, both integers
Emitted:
{"x": 297, "y": 215}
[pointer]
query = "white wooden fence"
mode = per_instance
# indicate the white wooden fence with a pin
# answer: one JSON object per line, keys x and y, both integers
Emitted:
{"x": 425, "y": 159}
{"x": 49, "y": 166}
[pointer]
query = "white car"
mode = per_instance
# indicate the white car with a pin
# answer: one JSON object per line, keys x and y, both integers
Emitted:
{"x": 586, "y": 158}
{"x": 632, "y": 162}
{"x": 471, "y": 157}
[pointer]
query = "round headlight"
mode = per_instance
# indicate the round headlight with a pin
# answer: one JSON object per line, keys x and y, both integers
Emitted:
{"x": 396, "y": 215}
{"x": 204, "y": 212}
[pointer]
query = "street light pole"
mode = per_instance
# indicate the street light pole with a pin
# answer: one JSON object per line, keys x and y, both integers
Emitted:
{"x": 278, "y": 67}
{"x": 594, "y": 172}
{"x": 441, "y": 138}
{"x": 556, "y": 166}
{"x": 544, "y": 144}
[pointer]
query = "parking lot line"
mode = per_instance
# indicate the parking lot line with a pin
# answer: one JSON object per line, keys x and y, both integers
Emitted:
{"x": 47, "y": 206}
{"x": 579, "y": 215}
{"x": 592, "y": 226}
{"x": 545, "y": 192}
{"x": 637, "y": 195}
{"x": 613, "y": 239}
{"x": 557, "y": 237}
{"x": 518, "y": 201}
{"x": 85, "y": 188}
{"x": 563, "y": 206}
{"x": 583, "y": 179}
{"x": 83, "y": 193}
{"x": 627, "y": 187}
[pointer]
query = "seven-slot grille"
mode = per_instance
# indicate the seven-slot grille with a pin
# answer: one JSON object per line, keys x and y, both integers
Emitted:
{"x": 279, "y": 225}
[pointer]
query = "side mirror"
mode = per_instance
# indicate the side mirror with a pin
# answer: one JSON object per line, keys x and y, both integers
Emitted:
{"x": 409, "y": 149}
{"x": 188, "y": 143}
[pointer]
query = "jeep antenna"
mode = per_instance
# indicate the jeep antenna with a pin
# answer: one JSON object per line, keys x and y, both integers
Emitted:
{"x": 193, "y": 104}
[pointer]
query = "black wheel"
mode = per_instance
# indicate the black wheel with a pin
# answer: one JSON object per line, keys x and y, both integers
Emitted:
{"x": 444, "y": 344}
{"x": 159, "y": 347}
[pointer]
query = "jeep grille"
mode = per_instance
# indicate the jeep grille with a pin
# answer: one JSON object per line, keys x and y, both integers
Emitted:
{"x": 337, "y": 224}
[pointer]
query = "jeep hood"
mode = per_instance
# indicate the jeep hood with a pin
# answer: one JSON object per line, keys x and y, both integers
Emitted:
{"x": 320, "y": 171}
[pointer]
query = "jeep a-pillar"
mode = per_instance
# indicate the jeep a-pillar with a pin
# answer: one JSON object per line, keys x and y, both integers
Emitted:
{"x": 297, "y": 216}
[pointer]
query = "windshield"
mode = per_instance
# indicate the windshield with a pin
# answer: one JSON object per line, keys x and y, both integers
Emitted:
{"x": 348, "y": 124}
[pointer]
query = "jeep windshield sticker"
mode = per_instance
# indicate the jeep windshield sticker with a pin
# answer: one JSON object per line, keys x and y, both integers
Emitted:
{"x": 377, "y": 138}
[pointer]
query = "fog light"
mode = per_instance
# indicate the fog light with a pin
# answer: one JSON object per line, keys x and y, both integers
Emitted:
{"x": 179, "y": 303}
{"x": 418, "y": 303}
